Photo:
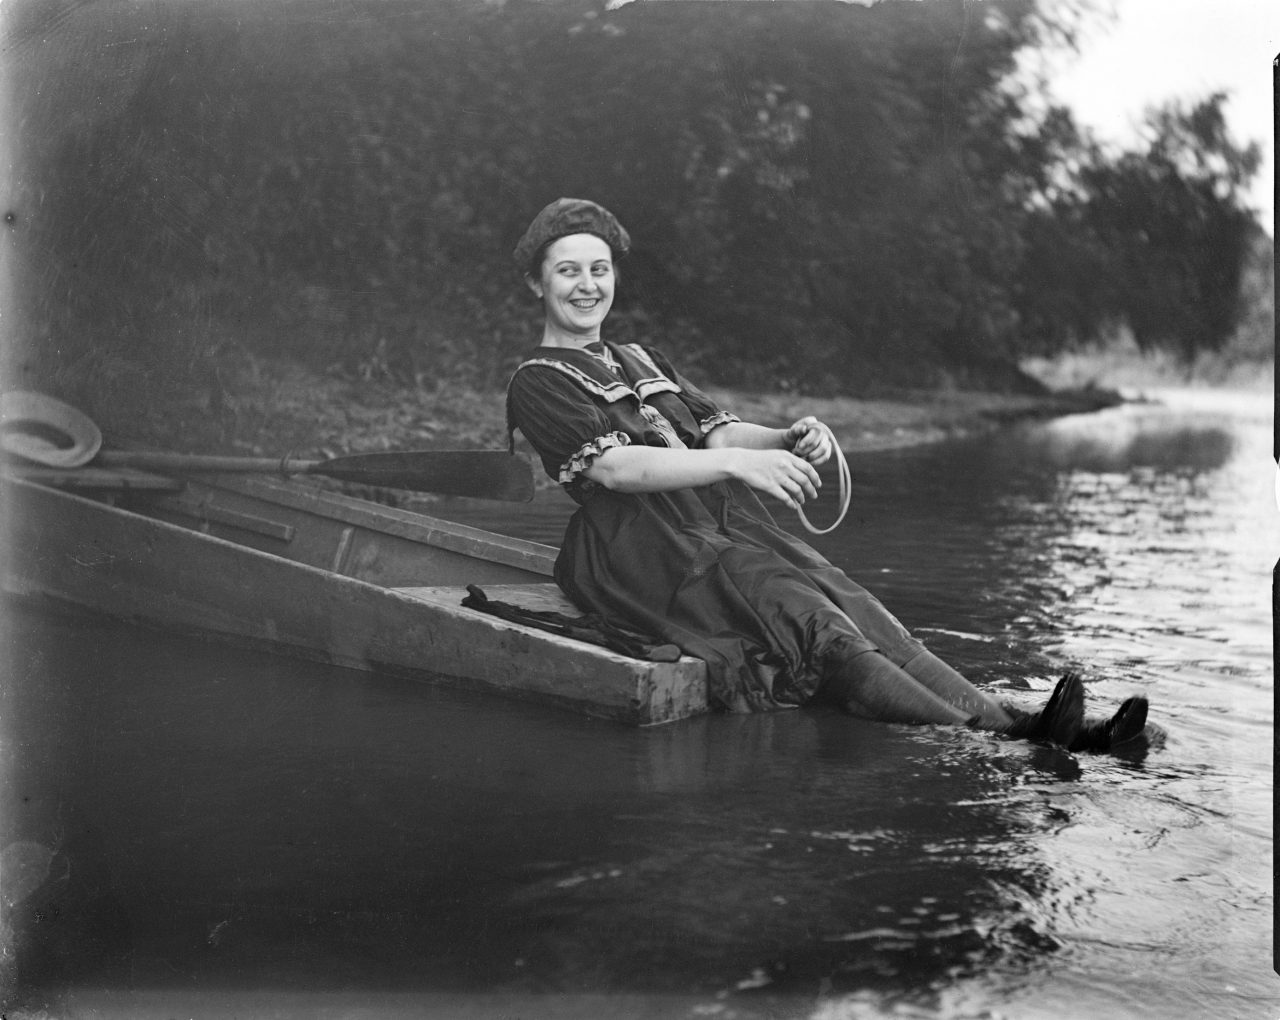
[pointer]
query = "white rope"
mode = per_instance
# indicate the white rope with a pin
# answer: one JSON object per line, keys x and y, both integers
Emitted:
{"x": 846, "y": 493}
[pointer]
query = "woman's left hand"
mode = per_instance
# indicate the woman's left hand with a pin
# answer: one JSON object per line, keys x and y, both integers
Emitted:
{"x": 810, "y": 440}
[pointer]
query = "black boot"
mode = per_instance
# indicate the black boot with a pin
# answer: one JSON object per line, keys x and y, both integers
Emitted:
{"x": 1126, "y": 731}
{"x": 1060, "y": 720}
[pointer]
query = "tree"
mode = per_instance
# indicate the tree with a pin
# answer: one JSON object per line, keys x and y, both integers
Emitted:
{"x": 825, "y": 195}
{"x": 1162, "y": 234}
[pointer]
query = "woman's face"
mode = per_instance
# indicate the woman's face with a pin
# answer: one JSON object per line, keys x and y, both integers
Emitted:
{"x": 576, "y": 285}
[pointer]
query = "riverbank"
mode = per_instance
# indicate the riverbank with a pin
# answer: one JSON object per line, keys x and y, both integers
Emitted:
{"x": 266, "y": 408}
{"x": 909, "y": 418}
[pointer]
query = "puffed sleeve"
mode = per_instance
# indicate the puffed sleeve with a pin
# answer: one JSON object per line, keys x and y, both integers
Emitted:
{"x": 706, "y": 411}
{"x": 567, "y": 428}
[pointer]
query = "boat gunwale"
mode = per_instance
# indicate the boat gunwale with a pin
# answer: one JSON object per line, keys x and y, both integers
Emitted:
{"x": 203, "y": 536}
{"x": 412, "y": 525}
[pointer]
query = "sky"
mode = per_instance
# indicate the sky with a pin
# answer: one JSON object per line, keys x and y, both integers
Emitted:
{"x": 1155, "y": 50}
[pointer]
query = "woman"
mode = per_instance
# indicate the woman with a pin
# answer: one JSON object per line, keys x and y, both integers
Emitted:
{"x": 671, "y": 537}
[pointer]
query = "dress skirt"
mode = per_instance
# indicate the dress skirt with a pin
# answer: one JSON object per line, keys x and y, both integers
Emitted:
{"x": 709, "y": 570}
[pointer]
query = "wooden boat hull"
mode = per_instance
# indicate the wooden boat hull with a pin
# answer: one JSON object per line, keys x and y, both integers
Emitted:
{"x": 316, "y": 574}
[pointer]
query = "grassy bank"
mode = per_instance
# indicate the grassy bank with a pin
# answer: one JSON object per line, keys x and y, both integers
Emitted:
{"x": 264, "y": 407}
{"x": 911, "y": 417}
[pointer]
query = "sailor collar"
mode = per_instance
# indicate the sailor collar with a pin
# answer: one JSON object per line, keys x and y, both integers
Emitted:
{"x": 641, "y": 377}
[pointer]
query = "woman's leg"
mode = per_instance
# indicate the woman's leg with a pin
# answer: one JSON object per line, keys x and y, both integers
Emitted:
{"x": 934, "y": 674}
{"x": 1061, "y": 720}
{"x": 867, "y": 684}
{"x": 870, "y": 686}
{"x": 880, "y": 628}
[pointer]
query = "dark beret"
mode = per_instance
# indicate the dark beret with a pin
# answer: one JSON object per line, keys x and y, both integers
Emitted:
{"x": 567, "y": 216}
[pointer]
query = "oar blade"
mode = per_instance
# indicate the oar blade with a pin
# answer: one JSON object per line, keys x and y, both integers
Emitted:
{"x": 486, "y": 474}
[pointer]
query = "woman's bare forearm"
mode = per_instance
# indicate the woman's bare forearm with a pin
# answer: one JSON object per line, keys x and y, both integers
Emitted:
{"x": 807, "y": 438}
{"x": 746, "y": 435}
{"x": 658, "y": 469}
{"x": 776, "y": 473}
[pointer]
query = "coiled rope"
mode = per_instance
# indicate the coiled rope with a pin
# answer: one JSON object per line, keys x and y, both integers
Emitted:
{"x": 846, "y": 493}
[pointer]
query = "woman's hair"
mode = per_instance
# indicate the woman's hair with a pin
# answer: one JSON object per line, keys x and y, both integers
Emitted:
{"x": 567, "y": 216}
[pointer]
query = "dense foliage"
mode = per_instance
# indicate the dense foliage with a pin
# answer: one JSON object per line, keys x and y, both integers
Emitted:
{"x": 822, "y": 195}
{"x": 1157, "y": 240}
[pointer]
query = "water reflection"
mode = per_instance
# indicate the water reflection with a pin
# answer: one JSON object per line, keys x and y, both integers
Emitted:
{"x": 246, "y": 820}
{"x": 1125, "y": 439}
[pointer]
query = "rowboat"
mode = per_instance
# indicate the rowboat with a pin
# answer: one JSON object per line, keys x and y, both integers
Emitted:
{"x": 295, "y": 568}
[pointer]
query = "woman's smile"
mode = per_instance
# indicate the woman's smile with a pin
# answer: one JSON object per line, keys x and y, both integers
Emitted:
{"x": 576, "y": 286}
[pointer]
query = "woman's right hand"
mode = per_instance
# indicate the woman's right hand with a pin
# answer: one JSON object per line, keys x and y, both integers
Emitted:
{"x": 777, "y": 473}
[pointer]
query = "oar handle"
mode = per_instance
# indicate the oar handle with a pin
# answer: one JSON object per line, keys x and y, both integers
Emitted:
{"x": 156, "y": 461}
{"x": 489, "y": 474}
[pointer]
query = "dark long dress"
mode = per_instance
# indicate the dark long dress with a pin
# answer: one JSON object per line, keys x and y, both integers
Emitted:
{"x": 706, "y": 569}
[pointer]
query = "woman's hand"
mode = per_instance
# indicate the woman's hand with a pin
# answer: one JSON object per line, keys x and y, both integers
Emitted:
{"x": 777, "y": 473}
{"x": 810, "y": 440}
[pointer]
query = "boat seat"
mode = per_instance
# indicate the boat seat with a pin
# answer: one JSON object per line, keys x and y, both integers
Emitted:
{"x": 540, "y": 597}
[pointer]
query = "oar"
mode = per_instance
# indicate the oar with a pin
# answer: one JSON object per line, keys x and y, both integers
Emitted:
{"x": 46, "y": 431}
{"x": 489, "y": 474}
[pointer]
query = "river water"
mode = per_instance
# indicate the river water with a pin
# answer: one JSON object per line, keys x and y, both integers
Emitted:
{"x": 209, "y": 832}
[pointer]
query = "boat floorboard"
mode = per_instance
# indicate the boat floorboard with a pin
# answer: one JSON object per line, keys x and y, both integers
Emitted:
{"x": 638, "y": 690}
{"x": 538, "y": 597}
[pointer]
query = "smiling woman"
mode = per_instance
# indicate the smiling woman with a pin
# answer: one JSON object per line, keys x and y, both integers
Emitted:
{"x": 671, "y": 538}
{"x": 575, "y": 283}
{"x": 568, "y": 256}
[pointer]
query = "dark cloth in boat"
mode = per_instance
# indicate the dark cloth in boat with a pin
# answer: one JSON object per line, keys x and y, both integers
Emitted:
{"x": 706, "y": 568}
{"x": 590, "y": 627}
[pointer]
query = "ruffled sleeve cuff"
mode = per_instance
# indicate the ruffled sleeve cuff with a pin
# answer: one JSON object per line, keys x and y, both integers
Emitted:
{"x": 719, "y": 418}
{"x": 581, "y": 460}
